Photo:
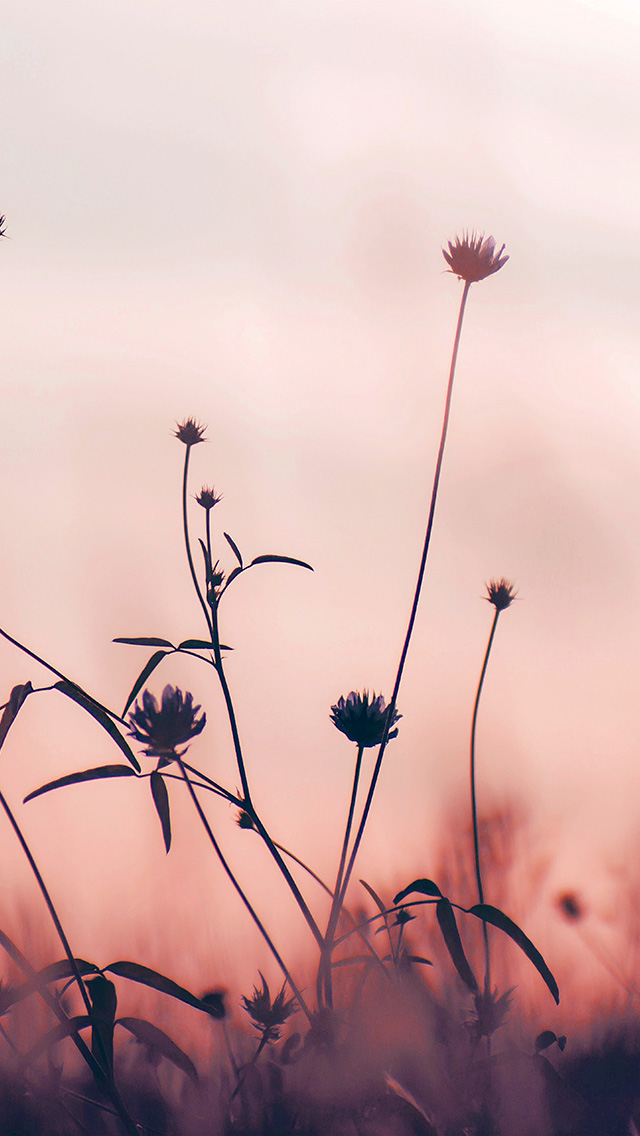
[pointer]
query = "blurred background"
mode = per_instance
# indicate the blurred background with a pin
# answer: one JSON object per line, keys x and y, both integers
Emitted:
{"x": 236, "y": 211}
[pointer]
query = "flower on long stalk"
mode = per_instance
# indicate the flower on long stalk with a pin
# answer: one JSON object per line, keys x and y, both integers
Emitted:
{"x": 208, "y": 498}
{"x": 500, "y": 593}
{"x": 363, "y": 721}
{"x": 190, "y": 432}
{"x": 162, "y": 728}
{"x": 474, "y": 257}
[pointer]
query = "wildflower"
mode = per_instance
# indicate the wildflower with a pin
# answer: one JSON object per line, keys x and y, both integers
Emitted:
{"x": 265, "y": 1015}
{"x": 570, "y": 906}
{"x": 163, "y": 728}
{"x": 208, "y": 498}
{"x": 500, "y": 593}
{"x": 491, "y": 1012}
{"x": 190, "y": 432}
{"x": 474, "y": 257}
{"x": 362, "y": 721}
{"x": 244, "y": 819}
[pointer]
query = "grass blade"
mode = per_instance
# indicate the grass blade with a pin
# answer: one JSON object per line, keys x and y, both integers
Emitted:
{"x": 10, "y": 712}
{"x": 97, "y": 774}
{"x": 235, "y": 548}
{"x": 423, "y": 887}
{"x": 148, "y": 669}
{"x": 453, "y": 942}
{"x": 161, "y": 801}
{"x": 145, "y": 641}
{"x": 160, "y": 1042}
{"x": 101, "y": 716}
{"x": 498, "y": 919}
{"x": 147, "y": 977}
{"x": 272, "y": 559}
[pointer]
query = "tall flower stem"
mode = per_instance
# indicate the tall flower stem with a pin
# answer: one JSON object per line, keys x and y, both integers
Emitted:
{"x": 324, "y": 970}
{"x": 474, "y": 807}
{"x": 103, "y": 1075}
{"x": 416, "y": 598}
{"x": 262, "y": 929}
{"x": 187, "y": 541}
{"x": 248, "y": 803}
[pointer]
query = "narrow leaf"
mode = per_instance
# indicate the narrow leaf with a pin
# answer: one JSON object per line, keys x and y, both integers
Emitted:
{"x": 498, "y": 919}
{"x": 235, "y": 548}
{"x": 419, "y": 958}
{"x": 145, "y": 641}
{"x": 208, "y": 570}
{"x": 10, "y": 712}
{"x": 232, "y": 576}
{"x": 97, "y": 774}
{"x": 64, "y": 1029}
{"x": 269, "y": 559}
{"x": 52, "y": 973}
{"x": 161, "y": 801}
{"x": 143, "y": 974}
{"x": 453, "y": 942}
{"x": 200, "y": 645}
{"x": 158, "y": 1040}
{"x": 101, "y": 716}
{"x": 423, "y": 887}
{"x": 376, "y": 899}
{"x": 149, "y": 667}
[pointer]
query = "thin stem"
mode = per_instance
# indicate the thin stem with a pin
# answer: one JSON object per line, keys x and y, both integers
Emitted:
{"x": 105, "y": 1077}
{"x": 416, "y": 597}
{"x": 239, "y": 890}
{"x": 474, "y": 809}
{"x": 187, "y": 542}
{"x": 324, "y": 970}
{"x": 44, "y": 663}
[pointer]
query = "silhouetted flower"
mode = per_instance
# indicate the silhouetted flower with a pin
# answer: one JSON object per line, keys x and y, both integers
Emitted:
{"x": 190, "y": 432}
{"x": 570, "y": 906}
{"x": 265, "y": 1016}
{"x": 491, "y": 1011}
{"x": 500, "y": 593}
{"x": 163, "y": 728}
{"x": 474, "y": 257}
{"x": 362, "y": 721}
{"x": 208, "y": 498}
{"x": 244, "y": 819}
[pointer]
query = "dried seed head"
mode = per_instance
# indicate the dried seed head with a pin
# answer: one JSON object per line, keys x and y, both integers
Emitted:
{"x": 500, "y": 593}
{"x": 363, "y": 721}
{"x": 190, "y": 432}
{"x": 474, "y": 257}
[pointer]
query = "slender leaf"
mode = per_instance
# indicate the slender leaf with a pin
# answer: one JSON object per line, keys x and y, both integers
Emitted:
{"x": 158, "y": 1040}
{"x": 271, "y": 559}
{"x": 207, "y": 562}
{"x": 423, "y": 887}
{"x": 376, "y": 899}
{"x": 161, "y": 801}
{"x": 453, "y": 942}
{"x": 235, "y": 548}
{"x": 53, "y": 1036}
{"x": 11, "y": 995}
{"x": 148, "y": 669}
{"x": 200, "y": 645}
{"x": 10, "y": 712}
{"x": 145, "y": 641}
{"x": 101, "y": 716}
{"x": 498, "y": 919}
{"x": 419, "y": 958}
{"x": 97, "y": 774}
{"x": 104, "y": 1002}
{"x": 143, "y": 974}
{"x": 232, "y": 576}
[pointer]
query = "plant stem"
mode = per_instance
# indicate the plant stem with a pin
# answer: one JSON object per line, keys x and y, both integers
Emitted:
{"x": 324, "y": 969}
{"x": 105, "y": 1078}
{"x": 416, "y": 597}
{"x": 474, "y": 809}
{"x": 187, "y": 542}
{"x": 239, "y": 890}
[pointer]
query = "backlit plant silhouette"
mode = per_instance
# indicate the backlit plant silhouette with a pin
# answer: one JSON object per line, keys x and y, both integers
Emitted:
{"x": 164, "y": 727}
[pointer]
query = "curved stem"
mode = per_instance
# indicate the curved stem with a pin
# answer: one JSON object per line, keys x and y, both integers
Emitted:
{"x": 239, "y": 890}
{"x": 187, "y": 542}
{"x": 103, "y": 1074}
{"x": 474, "y": 809}
{"x": 416, "y": 597}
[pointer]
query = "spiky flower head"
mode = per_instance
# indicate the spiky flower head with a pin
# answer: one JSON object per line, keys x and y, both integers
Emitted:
{"x": 244, "y": 819}
{"x": 267, "y": 1017}
{"x": 3, "y": 231}
{"x": 190, "y": 432}
{"x": 208, "y": 497}
{"x": 163, "y": 728}
{"x": 491, "y": 1012}
{"x": 474, "y": 257}
{"x": 500, "y": 593}
{"x": 363, "y": 721}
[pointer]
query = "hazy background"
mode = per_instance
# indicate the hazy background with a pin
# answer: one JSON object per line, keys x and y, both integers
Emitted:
{"x": 235, "y": 210}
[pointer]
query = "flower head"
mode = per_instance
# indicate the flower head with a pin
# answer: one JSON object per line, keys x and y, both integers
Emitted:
{"x": 474, "y": 257}
{"x": 491, "y": 1012}
{"x": 244, "y": 819}
{"x": 163, "y": 728}
{"x": 265, "y": 1015}
{"x": 208, "y": 497}
{"x": 363, "y": 721}
{"x": 500, "y": 593}
{"x": 190, "y": 432}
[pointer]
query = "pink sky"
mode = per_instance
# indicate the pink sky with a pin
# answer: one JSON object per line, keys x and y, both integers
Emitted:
{"x": 236, "y": 211}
